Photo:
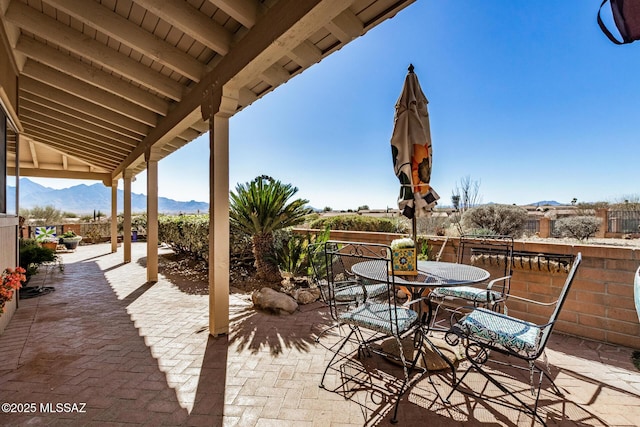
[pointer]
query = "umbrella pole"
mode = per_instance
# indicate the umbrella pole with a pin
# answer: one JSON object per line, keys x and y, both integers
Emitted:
{"x": 414, "y": 229}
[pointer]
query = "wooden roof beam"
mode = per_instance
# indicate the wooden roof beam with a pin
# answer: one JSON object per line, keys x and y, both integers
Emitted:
{"x": 275, "y": 75}
{"x": 346, "y": 26}
{"x": 306, "y": 54}
{"x": 69, "y": 174}
{"x": 283, "y": 27}
{"x": 40, "y": 146}
{"x": 48, "y": 28}
{"x": 68, "y": 131}
{"x": 36, "y": 109}
{"x": 190, "y": 21}
{"x": 69, "y": 101}
{"x": 243, "y": 11}
{"x": 34, "y": 154}
{"x": 90, "y": 75}
{"x": 89, "y": 93}
{"x": 32, "y": 102}
{"x": 80, "y": 153}
{"x": 121, "y": 29}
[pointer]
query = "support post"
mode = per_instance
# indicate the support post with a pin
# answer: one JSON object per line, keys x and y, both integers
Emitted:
{"x": 126, "y": 228}
{"x": 114, "y": 216}
{"x": 152, "y": 156}
{"x": 220, "y": 108}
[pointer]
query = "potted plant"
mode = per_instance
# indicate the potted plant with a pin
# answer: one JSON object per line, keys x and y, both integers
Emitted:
{"x": 404, "y": 257}
{"x": 70, "y": 240}
{"x": 49, "y": 242}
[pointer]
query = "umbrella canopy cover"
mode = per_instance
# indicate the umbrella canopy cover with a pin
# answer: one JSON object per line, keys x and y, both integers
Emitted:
{"x": 411, "y": 150}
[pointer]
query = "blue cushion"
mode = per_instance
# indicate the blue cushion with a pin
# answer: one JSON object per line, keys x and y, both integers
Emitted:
{"x": 378, "y": 316}
{"x": 500, "y": 330}
{"x": 354, "y": 292}
{"x": 469, "y": 293}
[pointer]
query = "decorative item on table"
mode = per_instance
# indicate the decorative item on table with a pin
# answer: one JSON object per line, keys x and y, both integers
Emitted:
{"x": 404, "y": 257}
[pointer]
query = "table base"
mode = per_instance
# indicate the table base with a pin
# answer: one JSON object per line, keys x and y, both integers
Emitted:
{"x": 434, "y": 361}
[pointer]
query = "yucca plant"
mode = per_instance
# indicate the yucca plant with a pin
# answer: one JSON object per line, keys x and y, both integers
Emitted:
{"x": 260, "y": 207}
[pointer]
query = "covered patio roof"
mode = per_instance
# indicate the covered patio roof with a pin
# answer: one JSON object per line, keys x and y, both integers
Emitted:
{"x": 102, "y": 82}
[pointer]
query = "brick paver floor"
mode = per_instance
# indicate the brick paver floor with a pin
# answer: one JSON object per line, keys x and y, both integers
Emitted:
{"x": 107, "y": 348}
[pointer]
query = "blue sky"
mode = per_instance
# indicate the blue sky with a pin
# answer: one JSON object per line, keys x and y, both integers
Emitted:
{"x": 528, "y": 98}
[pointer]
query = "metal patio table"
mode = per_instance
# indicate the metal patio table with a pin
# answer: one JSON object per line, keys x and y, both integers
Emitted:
{"x": 431, "y": 274}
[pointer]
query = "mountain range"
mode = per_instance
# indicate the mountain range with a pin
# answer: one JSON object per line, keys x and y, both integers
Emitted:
{"x": 84, "y": 199}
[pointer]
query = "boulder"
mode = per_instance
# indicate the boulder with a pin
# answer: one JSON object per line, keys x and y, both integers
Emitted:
{"x": 306, "y": 295}
{"x": 272, "y": 300}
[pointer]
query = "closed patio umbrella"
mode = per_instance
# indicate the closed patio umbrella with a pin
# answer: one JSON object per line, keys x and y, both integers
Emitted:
{"x": 411, "y": 151}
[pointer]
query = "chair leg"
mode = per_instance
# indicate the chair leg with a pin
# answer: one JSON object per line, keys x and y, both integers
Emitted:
{"x": 532, "y": 411}
{"x": 335, "y": 355}
{"x": 325, "y": 330}
{"x": 408, "y": 371}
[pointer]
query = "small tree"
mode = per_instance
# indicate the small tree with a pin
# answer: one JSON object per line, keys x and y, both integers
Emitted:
{"x": 260, "y": 207}
{"x": 47, "y": 215}
{"x": 508, "y": 220}
{"x": 465, "y": 196}
{"x": 579, "y": 227}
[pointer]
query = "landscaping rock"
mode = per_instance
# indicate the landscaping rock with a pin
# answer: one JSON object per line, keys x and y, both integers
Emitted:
{"x": 306, "y": 295}
{"x": 272, "y": 300}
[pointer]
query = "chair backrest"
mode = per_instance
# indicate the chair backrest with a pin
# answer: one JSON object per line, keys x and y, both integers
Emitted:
{"x": 371, "y": 261}
{"x": 493, "y": 252}
{"x": 316, "y": 257}
{"x": 546, "y": 332}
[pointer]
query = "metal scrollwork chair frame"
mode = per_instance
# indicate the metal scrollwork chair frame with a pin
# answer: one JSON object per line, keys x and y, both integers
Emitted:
{"x": 372, "y": 321}
{"x": 485, "y": 251}
{"x": 484, "y": 331}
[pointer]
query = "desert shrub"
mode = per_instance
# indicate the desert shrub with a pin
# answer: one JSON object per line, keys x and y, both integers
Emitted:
{"x": 361, "y": 223}
{"x": 507, "y": 220}
{"x": 579, "y": 227}
{"x": 433, "y": 225}
{"x": 42, "y": 215}
{"x": 188, "y": 234}
{"x": 291, "y": 250}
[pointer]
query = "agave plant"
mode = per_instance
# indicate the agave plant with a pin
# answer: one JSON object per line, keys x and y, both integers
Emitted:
{"x": 260, "y": 207}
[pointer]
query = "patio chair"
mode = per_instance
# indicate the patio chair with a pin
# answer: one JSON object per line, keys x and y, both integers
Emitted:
{"x": 493, "y": 252}
{"x": 352, "y": 290}
{"x": 371, "y": 321}
{"x": 483, "y": 331}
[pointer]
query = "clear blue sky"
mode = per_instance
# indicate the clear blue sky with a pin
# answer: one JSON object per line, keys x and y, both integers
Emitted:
{"x": 528, "y": 98}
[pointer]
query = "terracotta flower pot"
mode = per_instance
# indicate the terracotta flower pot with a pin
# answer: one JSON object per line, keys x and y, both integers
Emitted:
{"x": 49, "y": 245}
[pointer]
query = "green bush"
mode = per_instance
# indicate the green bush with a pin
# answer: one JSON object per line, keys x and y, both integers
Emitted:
{"x": 32, "y": 255}
{"x": 186, "y": 234}
{"x": 508, "y": 220}
{"x": 361, "y": 223}
{"x": 579, "y": 227}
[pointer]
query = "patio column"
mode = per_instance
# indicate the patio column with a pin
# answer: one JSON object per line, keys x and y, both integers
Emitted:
{"x": 221, "y": 107}
{"x": 152, "y": 156}
{"x": 127, "y": 174}
{"x": 114, "y": 216}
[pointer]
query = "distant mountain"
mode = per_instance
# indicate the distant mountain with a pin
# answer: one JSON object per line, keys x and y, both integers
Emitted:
{"x": 84, "y": 199}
